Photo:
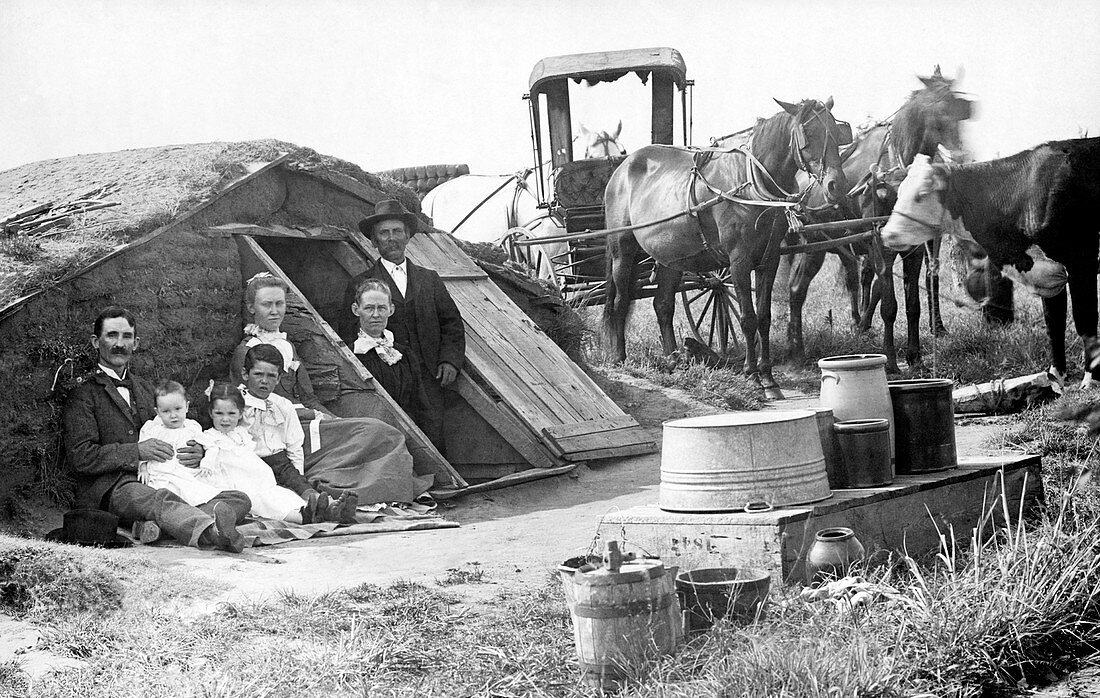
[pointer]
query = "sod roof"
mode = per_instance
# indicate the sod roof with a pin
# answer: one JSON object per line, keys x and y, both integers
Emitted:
{"x": 152, "y": 186}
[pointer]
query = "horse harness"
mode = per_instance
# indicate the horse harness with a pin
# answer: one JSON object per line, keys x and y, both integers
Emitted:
{"x": 761, "y": 181}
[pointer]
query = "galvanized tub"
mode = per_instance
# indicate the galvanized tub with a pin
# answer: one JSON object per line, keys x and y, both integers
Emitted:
{"x": 742, "y": 461}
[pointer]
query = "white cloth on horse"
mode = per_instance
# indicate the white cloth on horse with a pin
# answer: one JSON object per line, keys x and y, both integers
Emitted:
{"x": 276, "y": 339}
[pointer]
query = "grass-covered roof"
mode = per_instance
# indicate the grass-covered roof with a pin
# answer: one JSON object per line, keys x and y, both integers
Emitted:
{"x": 150, "y": 187}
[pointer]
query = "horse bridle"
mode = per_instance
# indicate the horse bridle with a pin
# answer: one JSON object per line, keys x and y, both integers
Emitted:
{"x": 798, "y": 140}
{"x": 603, "y": 138}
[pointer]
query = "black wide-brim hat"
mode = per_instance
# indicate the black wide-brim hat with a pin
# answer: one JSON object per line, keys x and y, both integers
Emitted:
{"x": 90, "y": 527}
{"x": 390, "y": 209}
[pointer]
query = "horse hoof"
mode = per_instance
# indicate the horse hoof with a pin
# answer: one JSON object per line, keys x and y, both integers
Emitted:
{"x": 774, "y": 393}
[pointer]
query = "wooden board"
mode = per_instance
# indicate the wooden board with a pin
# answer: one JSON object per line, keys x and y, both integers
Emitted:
{"x": 530, "y": 378}
{"x": 903, "y": 516}
{"x": 425, "y": 455}
{"x": 587, "y": 440}
{"x": 506, "y": 424}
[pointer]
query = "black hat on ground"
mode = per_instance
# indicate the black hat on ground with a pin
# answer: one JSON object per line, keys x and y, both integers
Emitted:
{"x": 90, "y": 527}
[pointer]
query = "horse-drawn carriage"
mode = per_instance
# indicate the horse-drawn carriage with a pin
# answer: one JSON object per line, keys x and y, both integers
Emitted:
{"x": 570, "y": 188}
{"x": 709, "y": 223}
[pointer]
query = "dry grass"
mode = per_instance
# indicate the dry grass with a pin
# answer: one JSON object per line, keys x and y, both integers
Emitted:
{"x": 1010, "y": 606}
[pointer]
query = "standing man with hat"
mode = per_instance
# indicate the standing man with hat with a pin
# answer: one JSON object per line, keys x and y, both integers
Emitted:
{"x": 425, "y": 317}
{"x": 101, "y": 421}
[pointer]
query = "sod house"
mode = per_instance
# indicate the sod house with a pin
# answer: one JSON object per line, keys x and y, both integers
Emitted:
{"x": 173, "y": 232}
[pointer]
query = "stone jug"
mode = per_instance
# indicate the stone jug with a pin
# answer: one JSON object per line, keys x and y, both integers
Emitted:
{"x": 832, "y": 555}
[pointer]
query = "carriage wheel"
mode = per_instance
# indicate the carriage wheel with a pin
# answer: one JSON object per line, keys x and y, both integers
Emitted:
{"x": 521, "y": 256}
{"x": 710, "y": 304}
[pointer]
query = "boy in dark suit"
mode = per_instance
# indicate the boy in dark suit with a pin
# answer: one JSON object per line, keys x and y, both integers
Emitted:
{"x": 101, "y": 421}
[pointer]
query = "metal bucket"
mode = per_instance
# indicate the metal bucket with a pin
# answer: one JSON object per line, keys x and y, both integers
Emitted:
{"x": 854, "y": 387}
{"x": 749, "y": 461}
{"x": 925, "y": 417}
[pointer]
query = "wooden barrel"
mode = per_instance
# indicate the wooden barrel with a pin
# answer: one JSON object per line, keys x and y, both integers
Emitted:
{"x": 742, "y": 461}
{"x": 623, "y": 620}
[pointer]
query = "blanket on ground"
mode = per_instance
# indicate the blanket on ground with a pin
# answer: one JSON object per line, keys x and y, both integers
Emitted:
{"x": 375, "y": 518}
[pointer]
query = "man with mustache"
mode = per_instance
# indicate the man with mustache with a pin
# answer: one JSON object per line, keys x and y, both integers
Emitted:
{"x": 425, "y": 317}
{"x": 101, "y": 421}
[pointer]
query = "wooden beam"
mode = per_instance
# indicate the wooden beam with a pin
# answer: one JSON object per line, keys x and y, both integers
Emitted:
{"x": 346, "y": 257}
{"x": 278, "y": 231}
{"x": 508, "y": 480}
{"x": 430, "y": 455}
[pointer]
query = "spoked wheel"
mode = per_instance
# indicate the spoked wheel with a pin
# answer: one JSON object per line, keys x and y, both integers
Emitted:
{"x": 527, "y": 257}
{"x": 710, "y": 304}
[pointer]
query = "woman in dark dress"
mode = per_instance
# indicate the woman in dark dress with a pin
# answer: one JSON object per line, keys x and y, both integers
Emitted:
{"x": 359, "y": 454}
{"x": 374, "y": 345}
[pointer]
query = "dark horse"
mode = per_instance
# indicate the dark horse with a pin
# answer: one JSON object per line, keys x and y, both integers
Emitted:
{"x": 1035, "y": 211}
{"x": 876, "y": 160}
{"x": 693, "y": 210}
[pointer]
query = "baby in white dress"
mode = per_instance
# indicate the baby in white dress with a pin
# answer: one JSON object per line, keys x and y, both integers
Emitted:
{"x": 231, "y": 463}
{"x": 172, "y": 426}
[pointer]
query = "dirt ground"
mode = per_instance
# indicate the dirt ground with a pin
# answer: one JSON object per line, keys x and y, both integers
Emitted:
{"x": 515, "y": 536}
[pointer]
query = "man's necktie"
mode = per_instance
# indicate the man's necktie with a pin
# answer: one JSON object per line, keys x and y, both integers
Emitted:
{"x": 126, "y": 382}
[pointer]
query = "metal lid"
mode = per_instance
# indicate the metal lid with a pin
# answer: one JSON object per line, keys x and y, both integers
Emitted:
{"x": 629, "y": 572}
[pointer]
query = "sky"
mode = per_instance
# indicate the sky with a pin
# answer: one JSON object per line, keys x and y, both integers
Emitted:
{"x": 392, "y": 83}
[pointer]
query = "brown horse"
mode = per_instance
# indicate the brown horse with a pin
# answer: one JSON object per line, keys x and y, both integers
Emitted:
{"x": 928, "y": 120}
{"x": 701, "y": 210}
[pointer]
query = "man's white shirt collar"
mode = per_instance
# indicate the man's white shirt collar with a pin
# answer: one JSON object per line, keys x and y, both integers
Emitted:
{"x": 110, "y": 372}
{"x": 390, "y": 266}
{"x": 400, "y": 280}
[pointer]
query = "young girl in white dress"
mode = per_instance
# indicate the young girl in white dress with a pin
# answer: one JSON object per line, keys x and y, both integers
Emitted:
{"x": 172, "y": 426}
{"x": 231, "y": 462}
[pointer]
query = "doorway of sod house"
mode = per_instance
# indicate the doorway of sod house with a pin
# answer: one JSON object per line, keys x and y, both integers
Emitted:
{"x": 321, "y": 270}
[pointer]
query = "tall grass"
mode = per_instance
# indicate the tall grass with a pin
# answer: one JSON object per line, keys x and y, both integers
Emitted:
{"x": 971, "y": 352}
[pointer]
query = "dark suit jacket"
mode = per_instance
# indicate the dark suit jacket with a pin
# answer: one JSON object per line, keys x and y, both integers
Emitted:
{"x": 101, "y": 435}
{"x": 440, "y": 333}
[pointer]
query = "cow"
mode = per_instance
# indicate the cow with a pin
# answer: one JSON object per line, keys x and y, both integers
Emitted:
{"x": 1035, "y": 211}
